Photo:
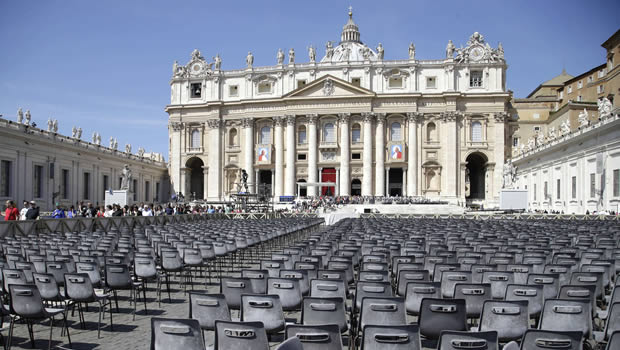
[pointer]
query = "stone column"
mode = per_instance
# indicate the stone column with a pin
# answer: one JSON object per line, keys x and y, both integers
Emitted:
{"x": 320, "y": 188}
{"x": 187, "y": 190}
{"x": 273, "y": 183}
{"x": 345, "y": 154}
{"x": 175, "y": 128}
{"x": 380, "y": 155}
{"x": 312, "y": 153}
{"x": 337, "y": 191}
{"x": 279, "y": 170}
{"x": 205, "y": 182}
{"x": 387, "y": 181}
{"x": 450, "y": 149}
{"x": 248, "y": 152}
{"x": 498, "y": 154}
{"x": 404, "y": 191}
{"x": 289, "y": 188}
{"x": 412, "y": 156}
{"x": 256, "y": 182}
{"x": 367, "y": 155}
{"x": 215, "y": 156}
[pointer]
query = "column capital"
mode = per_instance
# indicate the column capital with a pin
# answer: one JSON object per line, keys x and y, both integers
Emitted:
{"x": 368, "y": 117}
{"x": 279, "y": 120}
{"x": 177, "y": 126}
{"x": 380, "y": 118}
{"x": 343, "y": 118}
{"x": 290, "y": 119}
{"x": 501, "y": 117}
{"x": 415, "y": 117}
{"x": 451, "y": 116}
{"x": 214, "y": 123}
{"x": 312, "y": 118}
{"x": 247, "y": 122}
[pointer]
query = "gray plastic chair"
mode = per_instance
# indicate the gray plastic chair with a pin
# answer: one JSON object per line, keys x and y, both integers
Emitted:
{"x": 264, "y": 308}
{"x": 233, "y": 288}
{"x": 288, "y": 290}
{"x": 317, "y": 311}
{"x": 292, "y": 343}
{"x": 475, "y": 294}
{"x": 417, "y": 291}
{"x": 438, "y": 315}
{"x": 567, "y": 315}
{"x": 508, "y": 318}
{"x": 117, "y": 277}
{"x": 536, "y": 339}
{"x": 26, "y": 304}
{"x": 240, "y": 335}
{"x": 451, "y": 340}
{"x": 175, "y": 334}
{"x": 207, "y": 308}
{"x": 382, "y": 311}
{"x": 316, "y": 337}
{"x": 532, "y": 293}
{"x": 79, "y": 290}
{"x": 394, "y": 337}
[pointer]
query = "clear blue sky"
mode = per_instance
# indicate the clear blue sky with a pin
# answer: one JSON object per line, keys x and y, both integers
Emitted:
{"x": 105, "y": 65}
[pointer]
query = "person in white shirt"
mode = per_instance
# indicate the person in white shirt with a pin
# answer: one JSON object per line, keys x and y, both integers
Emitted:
{"x": 147, "y": 211}
{"x": 22, "y": 213}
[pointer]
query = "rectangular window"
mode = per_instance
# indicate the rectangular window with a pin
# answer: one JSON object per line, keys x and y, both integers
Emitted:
{"x": 579, "y": 84}
{"x": 147, "y": 191}
{"x": 395, "y": 82}
{"x": 5, "y": 178}
{"x": 616, "y": 182}
{"x": 106, "y": 183}
{"x": 301, "y": 83}
{"x": 573, "y": 189}
{"x": 431, "y": 83}
{"x": 64, "y": 191}
{"x": 536, "y": 128}
{"x": 356, "y": 156}
{"x": 579, "y": 98}
{"x": 561, "y": 94}
{"x": 38, "y": 181}
{"x": 601, "y": 73}
{"x": 135, "y": 190}
{"x": 157, "y": 188}
{"x": 86, "y": 186}
{"x": 534, "y": 191}
{"x": 590, "y": 78}
{"x": 600, "y": 89}
{"x": 558, "y": 189}
{"x": 515, "y": 141}
{"x": 475, "y": 78}
{"x": 569, "y": 89}
{"x": 546, "y": 190}
{"x": 592, "y": 185}
{"x": 196, "y": 90}
{"x": 301, "y": 156}
{"x": 356, "y": 81}
{"x": 233, "y": 90}
{"x": 301, "y": 137}
{"x": 264, "y": 87}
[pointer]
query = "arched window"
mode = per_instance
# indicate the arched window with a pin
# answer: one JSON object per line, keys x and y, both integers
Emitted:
{"x": 195, "y": 138}
{"x": 476, "y": 131}
{"x": 431, "y": 132}
{"x": 356, "y": 133}
{"x": 233, "y": 140}
{"x": 395, "y": 132}
{"x": 265, "y": 135}
{"x": 329, "y": 133}
{"x": 301, "y": 135}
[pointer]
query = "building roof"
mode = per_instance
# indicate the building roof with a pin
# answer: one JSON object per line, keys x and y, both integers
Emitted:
{"x": 610, "y": 41}
{"x": 584, "y": 74}
{"x": 556, "y": 81}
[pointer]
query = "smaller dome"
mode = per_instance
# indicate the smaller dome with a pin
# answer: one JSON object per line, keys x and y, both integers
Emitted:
{"x": 351, "y": 48}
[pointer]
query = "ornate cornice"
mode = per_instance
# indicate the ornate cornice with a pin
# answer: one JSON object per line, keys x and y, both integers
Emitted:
{"x": 451, "y": 116}
{"x": 247, "y": 122}
{"x": 368, "y": 117}
{"x": 312, "y": 118}
{"x": 343, "y": 118}
{"x": 279, "y": 120}
{"x": 177, "y": 126}
{"x": 214, "y": 123}
{"x": 290, "y": 119}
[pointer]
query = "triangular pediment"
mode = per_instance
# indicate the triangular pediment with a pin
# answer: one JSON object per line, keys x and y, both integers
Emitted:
{"x": 329, "y": 86}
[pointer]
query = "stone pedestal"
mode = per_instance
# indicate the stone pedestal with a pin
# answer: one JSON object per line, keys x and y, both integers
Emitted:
{"x": 120, "y": 197}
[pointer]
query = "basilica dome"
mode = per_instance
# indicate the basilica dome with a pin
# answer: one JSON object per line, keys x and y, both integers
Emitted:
{"x": 350, "y": 48}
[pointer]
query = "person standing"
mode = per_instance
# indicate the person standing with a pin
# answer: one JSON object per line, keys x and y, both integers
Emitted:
{"x": 71, "y": 213}
{"x": 10, "y": 213}
{"x": 22, "y": 213}
{"x": 58, "y": 213}
{"x": 146, "y": 211}
{"x": 33, "y": 212}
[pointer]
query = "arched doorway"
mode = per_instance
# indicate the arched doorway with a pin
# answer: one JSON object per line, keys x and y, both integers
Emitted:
{"x": 196, "y": 178}
{"x": 475, "y": 174}
{"x": 356, "y": 187}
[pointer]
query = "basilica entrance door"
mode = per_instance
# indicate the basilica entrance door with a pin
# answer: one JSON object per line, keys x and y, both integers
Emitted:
{"x": 475, "y": 174}
{"x": 264, "y": 184}
{"x": 328, "y": 175}
{"x": 196, "y": 186}
{"x": 395, "y": 182}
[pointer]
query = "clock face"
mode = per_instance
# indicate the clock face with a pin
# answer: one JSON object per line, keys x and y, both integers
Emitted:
{"x": 196, "y": 67}
{"x": 476, "y": 53}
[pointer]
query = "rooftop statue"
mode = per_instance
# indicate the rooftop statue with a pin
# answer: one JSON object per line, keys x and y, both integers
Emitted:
{"x": 583, "y": 118}
{"x": 291, "y": 56}
{"x": 450, "y": 49}
{"x": 79, "y": 133}
{"x": 50, "y": 125}
{"x": 28, "y": 117}
{"x": 249, "y": 59}
{"x": 411, "y": 51}
{"x": 20, "y": 116}
{"x": 55, "y": 128}
{"x": 217, "y": 60}
{"x": 380, "y": 51}
{"x": 126, "y": 178}
{"x": 329, "y": 50}
{"x": 280, "y": 56}
{"x": 312, "y": 53}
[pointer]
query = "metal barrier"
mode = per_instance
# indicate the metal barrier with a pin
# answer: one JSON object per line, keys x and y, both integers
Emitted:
{"x": 478, "y": 216}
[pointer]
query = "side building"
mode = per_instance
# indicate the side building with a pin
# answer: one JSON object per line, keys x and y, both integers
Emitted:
{"x": 49, "y": 168}
{"x": 565, "y": 143}
{"x": 350, "y": 123}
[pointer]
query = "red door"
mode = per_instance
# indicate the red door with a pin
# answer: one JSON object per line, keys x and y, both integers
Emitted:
{"x": 328, "y": 175}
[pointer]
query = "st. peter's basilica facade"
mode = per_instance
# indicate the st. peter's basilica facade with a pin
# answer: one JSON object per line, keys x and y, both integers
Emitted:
{"x": 352, "y": 122}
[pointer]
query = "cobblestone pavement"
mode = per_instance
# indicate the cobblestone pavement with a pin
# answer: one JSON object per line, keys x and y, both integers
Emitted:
{"x": 127, "y": 333}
